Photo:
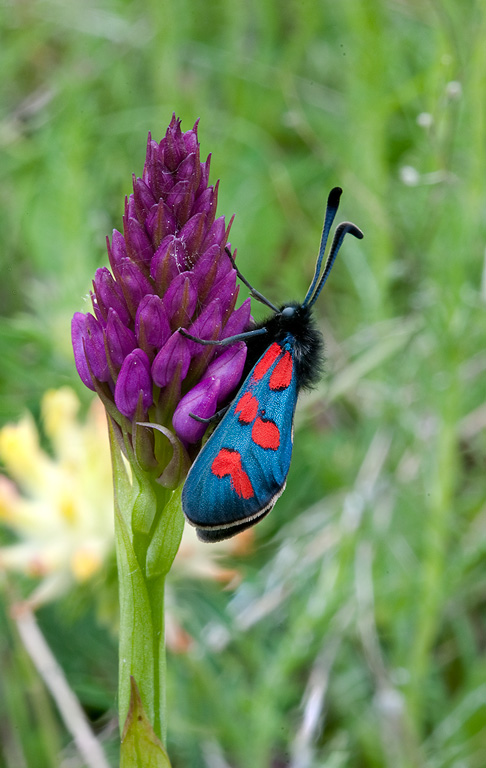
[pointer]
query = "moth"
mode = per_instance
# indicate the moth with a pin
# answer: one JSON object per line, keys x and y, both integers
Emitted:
{"x": 242, "y": 469}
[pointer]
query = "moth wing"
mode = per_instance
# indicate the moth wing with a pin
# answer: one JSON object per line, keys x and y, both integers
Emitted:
{"x": 242, "y": 469}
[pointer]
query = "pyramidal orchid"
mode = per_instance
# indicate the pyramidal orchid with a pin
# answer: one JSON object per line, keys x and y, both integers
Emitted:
{"x": 169, "y": 269}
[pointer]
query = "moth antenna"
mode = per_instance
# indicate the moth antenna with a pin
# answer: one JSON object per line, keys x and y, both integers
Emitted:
{"x": 331, "y": 210}
{"x": 253, "y": 292}
{"x": 341, "y": 231}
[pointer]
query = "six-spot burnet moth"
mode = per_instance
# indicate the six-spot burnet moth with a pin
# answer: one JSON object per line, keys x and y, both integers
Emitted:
{"x": 242, "y": 469}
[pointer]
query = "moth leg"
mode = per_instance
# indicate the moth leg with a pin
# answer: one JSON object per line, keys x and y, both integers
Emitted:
{"x": 253, "y": 292}
{"x": 223, "y": 342}
{"x": 210, "y": 420}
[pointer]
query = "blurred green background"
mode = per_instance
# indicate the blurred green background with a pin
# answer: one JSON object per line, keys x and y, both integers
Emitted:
{"x": 357, "y": 636}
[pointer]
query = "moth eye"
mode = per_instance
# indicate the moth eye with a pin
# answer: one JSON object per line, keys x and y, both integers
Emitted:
{"x": 288, "y": 311}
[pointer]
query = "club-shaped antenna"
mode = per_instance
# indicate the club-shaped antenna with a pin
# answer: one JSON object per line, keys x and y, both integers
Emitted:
{"x": 331, "y": 210}
{"x": 342, "y": 230}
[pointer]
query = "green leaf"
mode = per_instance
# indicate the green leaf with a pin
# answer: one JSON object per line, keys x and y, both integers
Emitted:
{"x": 140, "y": 747}
{"x": 144, "y": 509}
{"x": 166, "y": 537}
{"x": 177, "y": 468}
{"x": 122, "y": 482}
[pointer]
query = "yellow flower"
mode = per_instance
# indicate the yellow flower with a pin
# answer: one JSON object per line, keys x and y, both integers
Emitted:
{"x": 60, "y": 507}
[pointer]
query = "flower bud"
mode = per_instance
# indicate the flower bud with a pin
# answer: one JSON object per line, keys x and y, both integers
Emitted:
{"x": 201, "y": 400}
{"x": 109, "y": 295}
{"x": 94, "y": 345}
{"x": 134, "y": 284}
{"x": 180, "y": 300}
{"x": 134, "y": 377}
{"x": 120, "y": 340}
{"x": 227, "y": 369}
{"x": 175, "y": 353}
{"x": 151, "y": 324}
{"x": 78, "y": 333}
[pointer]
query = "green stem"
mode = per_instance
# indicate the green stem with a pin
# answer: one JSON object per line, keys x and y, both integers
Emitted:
{"x": 156, "y": 597}
{"x": 148, "y": 529}
{"x": 156, "y": 592}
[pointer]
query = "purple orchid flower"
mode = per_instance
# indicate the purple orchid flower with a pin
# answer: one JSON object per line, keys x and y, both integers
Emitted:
{"x": 169, "y": 270}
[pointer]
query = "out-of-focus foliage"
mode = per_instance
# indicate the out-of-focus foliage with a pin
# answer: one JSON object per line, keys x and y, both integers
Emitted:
{"x": 357, "y": 636}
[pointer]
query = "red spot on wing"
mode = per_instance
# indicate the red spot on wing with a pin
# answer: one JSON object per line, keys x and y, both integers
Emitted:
{"x": 266, "y": 361}
{"x": 282, "y": 373}
{"x": 247, "y": 407}
{"x": 228, "y": 462}
{"x": 266, "y": 434}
